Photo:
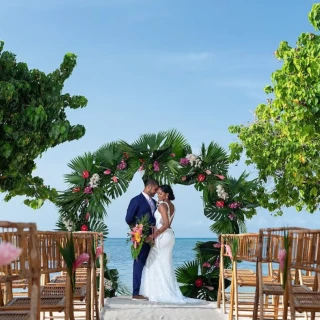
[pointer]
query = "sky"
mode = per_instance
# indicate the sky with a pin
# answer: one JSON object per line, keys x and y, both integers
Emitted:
{"x": 152, "y": 65}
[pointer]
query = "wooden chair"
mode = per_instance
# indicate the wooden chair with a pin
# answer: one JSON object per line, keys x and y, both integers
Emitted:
{"x": 271, "y": 241}
{"x": 304, "y": 250}
{"x": 247, "y": 251}
{"x": 22, "y": 235}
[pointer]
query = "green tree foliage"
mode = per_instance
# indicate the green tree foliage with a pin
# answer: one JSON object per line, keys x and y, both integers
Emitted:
{"x": 283, "y": 141}
{"x": 32, "y": 120}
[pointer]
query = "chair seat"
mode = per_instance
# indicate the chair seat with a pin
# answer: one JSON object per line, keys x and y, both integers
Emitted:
{"x": 277, "y": 290}
{"x": 307, "y": 301}
{"x": 46, "y": 304}
{"x": 14, "y": 315}
{"x": 62, "y": 279}
{"x": 251, "y": 281}
{"x": 228, "y": 272}
{"x": 60, "y": 291}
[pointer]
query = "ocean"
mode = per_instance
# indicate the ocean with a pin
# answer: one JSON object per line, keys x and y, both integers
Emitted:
{"x": 119, "y": 255}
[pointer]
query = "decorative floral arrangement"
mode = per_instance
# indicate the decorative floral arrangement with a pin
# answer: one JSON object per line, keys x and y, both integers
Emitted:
{"x": 231, "y": 203}
{"x": 138, "y": 235}
{"x": 8, "y": 253}
{"x": 283, "y": 257}
{"x": 200, "y": 278}
{"x": 73, "y": 263}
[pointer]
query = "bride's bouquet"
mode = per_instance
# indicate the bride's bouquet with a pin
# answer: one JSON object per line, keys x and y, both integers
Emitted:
{"x": 138, "y": 235}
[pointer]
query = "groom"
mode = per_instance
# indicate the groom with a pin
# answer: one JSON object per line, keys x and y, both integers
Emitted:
{"x": 138, "y": 207}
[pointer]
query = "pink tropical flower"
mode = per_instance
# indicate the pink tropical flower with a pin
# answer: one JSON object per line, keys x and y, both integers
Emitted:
{"x": 209, "y": 288}
{"x": 231, "y": 216}
{"x": 108, "y": 171}
{"x": 87, "y": 190}
{"x": 8, "y": 253}
{"x": 217, "y": 245}
{"x": 220, "y": 176}
{"x": 156, "y": 166}
{"x": 282, "y": 258}
{"x": 208, "y": 172}
{"x": 234, "y": 205}
{"x": 228, "y": 250}
{"x": 141, "y": 168}
{"x": 206, "y": 265}
{"x": 115, "y": 179}
{"x": 184, "y": 178}
{"x": 99, "y": 252}
{"x": 122, "y": 165}
{"x": 87, "y": 216}
{"x": 184, "y": 161}
{"x": 84, "y": 257}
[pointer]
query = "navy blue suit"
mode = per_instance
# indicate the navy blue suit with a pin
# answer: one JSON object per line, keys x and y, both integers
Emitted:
{"x": 138, "y": 207}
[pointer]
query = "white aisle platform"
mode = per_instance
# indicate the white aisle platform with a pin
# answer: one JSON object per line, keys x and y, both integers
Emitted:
{"x": 124, "y": 308}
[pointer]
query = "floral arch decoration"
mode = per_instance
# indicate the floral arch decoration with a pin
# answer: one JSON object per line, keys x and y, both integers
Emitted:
{"x": 98, "y": 178}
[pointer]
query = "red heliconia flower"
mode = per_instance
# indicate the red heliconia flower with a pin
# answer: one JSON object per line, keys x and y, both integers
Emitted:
{"x": 84, "y": 228}
{"x": 85, "y": 174}
{"x": 76, "y": 189}
{"x": 198, "y": 283}
{"x": 220, "y": 204}
{"x": 201, "y": 177}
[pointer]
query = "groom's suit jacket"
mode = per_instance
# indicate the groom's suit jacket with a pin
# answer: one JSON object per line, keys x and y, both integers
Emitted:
{"x": 138, "y": 207}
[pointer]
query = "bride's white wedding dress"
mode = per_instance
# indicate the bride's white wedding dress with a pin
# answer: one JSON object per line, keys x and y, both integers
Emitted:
{"x": 159, "y": 282}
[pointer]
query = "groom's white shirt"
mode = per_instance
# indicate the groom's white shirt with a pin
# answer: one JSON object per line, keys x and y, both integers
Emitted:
{"x": 146, "y": 196}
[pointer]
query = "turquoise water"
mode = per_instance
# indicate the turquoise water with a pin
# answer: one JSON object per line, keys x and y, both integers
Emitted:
{"x": 120, "y": 258}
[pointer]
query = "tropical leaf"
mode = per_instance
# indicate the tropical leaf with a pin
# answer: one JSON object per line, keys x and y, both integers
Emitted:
{"x": 188, "y": 272}
{"x": 97, "y": 225}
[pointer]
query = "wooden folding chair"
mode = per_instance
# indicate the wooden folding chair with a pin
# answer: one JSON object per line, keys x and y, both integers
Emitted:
{"x": 25, "y": 267}
{"x": 304, "y": 250}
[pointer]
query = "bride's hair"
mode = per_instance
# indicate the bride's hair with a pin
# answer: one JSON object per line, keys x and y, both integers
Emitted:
{"x": 167, "y": 189}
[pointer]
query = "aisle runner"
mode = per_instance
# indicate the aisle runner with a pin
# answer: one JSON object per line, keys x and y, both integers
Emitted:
{"x": 123, "y": 308}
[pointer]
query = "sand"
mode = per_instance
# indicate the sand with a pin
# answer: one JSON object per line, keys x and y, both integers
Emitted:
{"x": 123, "y": 308}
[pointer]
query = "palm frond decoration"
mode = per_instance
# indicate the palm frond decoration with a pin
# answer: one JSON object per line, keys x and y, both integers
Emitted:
{"x": 231, "y": 203}
{"x": 187, "y": 272}
{"x": 157, "y": 155}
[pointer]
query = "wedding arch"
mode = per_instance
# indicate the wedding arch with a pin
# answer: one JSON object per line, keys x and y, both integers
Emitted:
{"x": 100, "y": 177}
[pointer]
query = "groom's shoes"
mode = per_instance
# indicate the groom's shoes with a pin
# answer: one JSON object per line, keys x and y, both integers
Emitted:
{"x": 139, "y": 297}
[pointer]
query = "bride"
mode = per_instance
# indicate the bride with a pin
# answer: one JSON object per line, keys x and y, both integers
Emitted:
{"x": 159, "y": 282}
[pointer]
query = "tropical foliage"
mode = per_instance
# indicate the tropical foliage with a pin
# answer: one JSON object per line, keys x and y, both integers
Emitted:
{"x": 97, "y": 178}
{"x": 33, "y": 118}
{"x": 233, "y": 201}
{"x": 283, "y": 141}
{"x": 200, "y": 278}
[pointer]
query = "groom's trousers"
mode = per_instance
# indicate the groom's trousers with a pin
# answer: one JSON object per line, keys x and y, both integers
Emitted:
{"x": 138, "y": 267}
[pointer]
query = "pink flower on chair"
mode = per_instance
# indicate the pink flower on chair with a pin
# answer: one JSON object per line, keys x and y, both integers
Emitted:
{"x": 84, "y": 257}
{"x": 282, "y": 258}
{"x": 99, "y": 252}
{"x": 228, "y": 250}
{"x": 8, "y": 253}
